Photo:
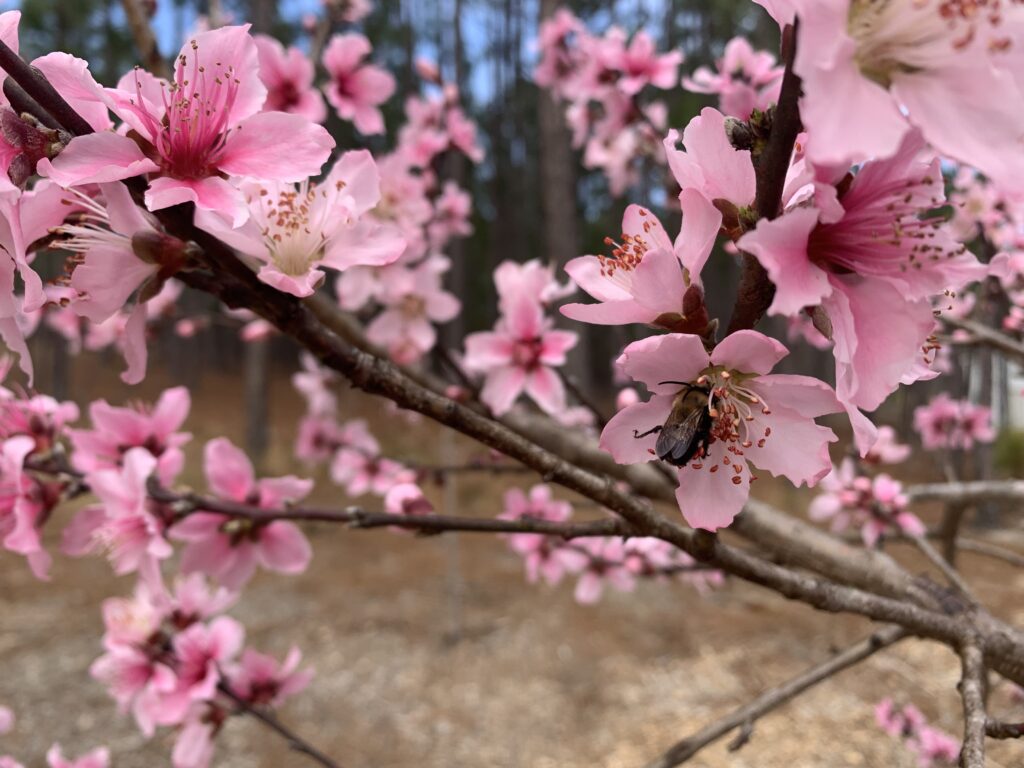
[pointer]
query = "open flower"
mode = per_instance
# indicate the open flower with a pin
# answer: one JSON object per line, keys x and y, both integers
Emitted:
{"x": 746, "y": 79}
{"x": 519, "y": 355}
{"x": 263, "y": 680}
{"x": 292, "y": 232}
{"x": 742, "y": 413}
{"x": 647, "y": 279}
{"x": 229, "y": 549}
{"x": 200, "y": 127}
{"x": 872, "y": 264}
{"x": 288, "y": 76}
{"x": 356, "y": 90}
{"x": 870, "y": 71}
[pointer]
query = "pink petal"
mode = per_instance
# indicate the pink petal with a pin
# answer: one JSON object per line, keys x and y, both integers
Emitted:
{"x": 283, "y": 547}
{"x": 135, "y": 351}
{"x": 711, "y": 500}
{"x": 672, "y": 357}
{"x": 701, "y": 223}
{"x": 95, "y": 158}
{"x": 276, "y": 146}
{"x": 212, "y": 194}
{"x": 781, "y": 247}
{"x": 619, "y": 436}
{"x": 748, "y": 351}
{"x": 547, "y": 390}
{"x": 796, "y": 448}
{"x": 229, "y": 472}
{"x": 658, "y": 283}
{"x": 502, "y": 387}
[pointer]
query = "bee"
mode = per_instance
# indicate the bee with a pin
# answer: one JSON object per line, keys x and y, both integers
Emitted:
{"x": 687, "y": 430}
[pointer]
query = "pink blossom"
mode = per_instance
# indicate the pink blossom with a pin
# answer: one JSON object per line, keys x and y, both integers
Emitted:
{"x": 110, "y": 270}
{"x": 872, "y": 70}
{"x": 25, "y": 503}
{"x": 200, "y": 652}
{"x": 205, "y": 124}
{"x": 229, "y": 549}
{"x": 560, "y": 58}
{"x": 532, "y": 279}
{"x": 292, "y": 232}
{"x": 887, "y": 448}
{"x": 116, "y": 430}
{"x": 872, "y": 265}
{"x": 414, "y": 299}
{"x": 605, "y": 567}
{"x": 98, "y": 758}
{"x": 288, "y": 76}
{"x": 194, "y": 746}
{"x": 752, "y": 416}
{"x": 126, "y": 523}
{"x": 875, "y": 506}
{"x": 452, "y": 210}
{"x": 263, "y": 680}
{"x": 356, "y": 90}
{"x": 6, "y": 720}
{"x": 361, "y": 472}
{"x": 745, "y": 79}
{"x": 647, "y": 279}
{"x": 710, "y": 164}
{"x": 520, "y": 355}
{"x": 642, "y": 65}
{"x": 407, "y": 499}
{"x": 956, "y": 424}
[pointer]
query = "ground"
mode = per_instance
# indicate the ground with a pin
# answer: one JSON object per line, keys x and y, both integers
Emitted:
{"x": 435, "y": 653}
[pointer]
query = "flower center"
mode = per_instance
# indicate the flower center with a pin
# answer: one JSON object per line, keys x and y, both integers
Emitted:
{"x": 734, "y": 410}
{"x": 293, "y": 226}
{"x": 906, "y": 36}
{"x": 190, "y": 138}
{"x": 885, "y": 229}
{"x": 526, "y": 353}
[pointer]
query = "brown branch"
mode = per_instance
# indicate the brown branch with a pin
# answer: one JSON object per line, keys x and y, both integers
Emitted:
{"x": 991, "y": 550}
{"x": 997, "y": 729}
{"x": 774, "y": 698}
{"x": 972, "y": 691}
{"x": 145, "y": 41}
{"x": 295, "y": 742}
{"x": 39, "y": 88}
{"x": 755, "y": 292}
{"x": 583, "y": 398}
{"x": 990, "y": 337}
{"x": 968, "y": 492}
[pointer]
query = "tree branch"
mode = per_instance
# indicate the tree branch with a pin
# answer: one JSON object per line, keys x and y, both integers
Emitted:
{"x": 996, "y": 729}
{"x": 296, "y": 742}
{"x": 968, "y": 492}
{"x": 972, "y": 687}
{"x": 145, "y": 41}
{"x": 990, "y": 337}
{"x": 774, "y": 698}
{"x": 936, "y": 559}
{"x": 756, "y": 291}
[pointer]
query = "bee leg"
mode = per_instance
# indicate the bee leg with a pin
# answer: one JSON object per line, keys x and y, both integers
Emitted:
{"x": 653, "y": 431}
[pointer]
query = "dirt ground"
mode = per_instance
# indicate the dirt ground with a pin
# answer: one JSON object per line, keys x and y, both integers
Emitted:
{"x": 434, "y": 653}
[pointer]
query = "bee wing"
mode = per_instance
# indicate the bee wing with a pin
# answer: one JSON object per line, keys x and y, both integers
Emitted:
{"x": 676, "y": 439}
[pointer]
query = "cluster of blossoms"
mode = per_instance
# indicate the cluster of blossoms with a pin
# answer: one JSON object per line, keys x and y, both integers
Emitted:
{"x": 877, "y": 506}
{"x": 601, "y": 80}
{"x": 953, "y": 424}
{"x": 169, "y": 656}
{"x": 350, "y": 450}
{"x": 597, "y": 562}
{"x": 406, "y": 297}
{"x": 933, "y": 747}
{"x": 744, "y": 80}
{"x": 172, "y": 659}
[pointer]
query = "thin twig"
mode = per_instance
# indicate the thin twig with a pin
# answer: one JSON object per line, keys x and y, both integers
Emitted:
{"x": 997, "y": 729}
{"x": 990, "y": 337}
{"x": 968, "y": 491}
{"x": 745, "y": 716}
{"x": 988, "y": 549}
{"x": 584, "y": 399}
{"x": 296, "y": 742}
{"x": 972, "y": 691}
{"x": 39, "y": 88}
{"x": 936, "y": 559}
